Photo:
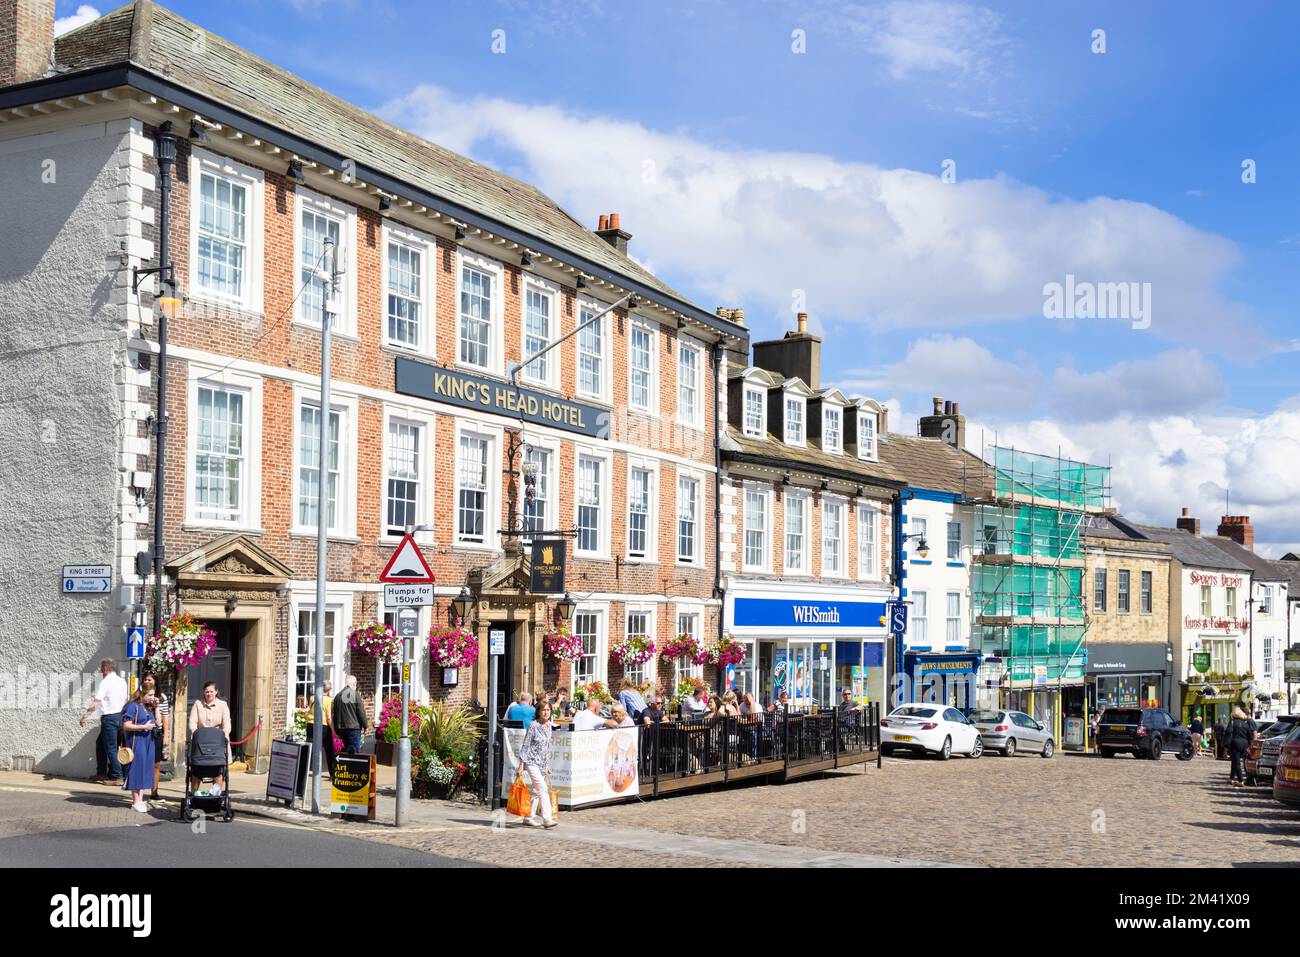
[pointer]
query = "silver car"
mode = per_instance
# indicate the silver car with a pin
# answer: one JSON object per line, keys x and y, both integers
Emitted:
{"x": 1010, "y": 731}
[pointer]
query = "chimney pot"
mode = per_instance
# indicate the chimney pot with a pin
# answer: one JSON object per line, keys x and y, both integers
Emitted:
{"x": 1186, "y": 511}
{"x": 1239, "y": 529}
{"x": 738, "y": 316}
{"x": 956, "y": 409}
{"x": 938, "y": 404}
{"x": 613, "y": 221}
{"x": 803, "y": 322}
{"x": 604, "y": 221}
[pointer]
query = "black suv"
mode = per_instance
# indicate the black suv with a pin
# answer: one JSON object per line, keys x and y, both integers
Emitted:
{"x": 1143, "y": 732}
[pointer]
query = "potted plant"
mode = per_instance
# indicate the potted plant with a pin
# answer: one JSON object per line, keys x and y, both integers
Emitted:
{"x": 180, "y": 642}
{"x": 685, "y": 688}
{"x": 593, "y": 689}
{"x": 452, "y": 647}
{"x": 562, "y": 644}
{"x": 376, "y": 640}
{"x": 442, "y": 754}
{"x": 388, "y": 729}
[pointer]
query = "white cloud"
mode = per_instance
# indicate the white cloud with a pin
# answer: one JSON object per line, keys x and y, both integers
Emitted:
{"x": 85, "y": 14}
{"x": 881, "y": 247}
{"x": 957, "y": 39}
{"x": 1170, "y": 383}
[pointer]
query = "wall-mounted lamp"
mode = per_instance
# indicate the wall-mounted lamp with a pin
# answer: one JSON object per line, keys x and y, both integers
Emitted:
{"x": 565, "y": 607}
{"x": 294, "y": 172}
{"x": 525, "y": 259}
{"x": 384, "y": 204}
{"x": 197, "y": 133}
{"x": 231, "y": 604}
{"x": 582, "y": 281}
{"x": 459, "y": 235}
{"x": 460, "y": 606}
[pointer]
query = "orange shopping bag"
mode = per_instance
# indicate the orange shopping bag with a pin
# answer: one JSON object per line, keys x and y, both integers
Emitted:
{"x": 520, "y": 802}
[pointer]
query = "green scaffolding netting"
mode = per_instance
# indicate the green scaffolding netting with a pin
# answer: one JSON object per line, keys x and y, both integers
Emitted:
{"x": 1046, "y": 476}
{"x": 1035, "y": 650}
{"x": 1028, "y": 590}
{"x": 1029, "y": 530}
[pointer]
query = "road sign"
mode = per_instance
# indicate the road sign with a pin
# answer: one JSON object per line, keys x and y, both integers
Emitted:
{"x": 407, "y": 564}
{"x": 497, "y": 641}
{"x": 135, "y": 643}
{"x": 87, "y": 579}
{"x": 408, "y": 595}
{"x": 406, "y": 672}
{"x": 408, "y": 623}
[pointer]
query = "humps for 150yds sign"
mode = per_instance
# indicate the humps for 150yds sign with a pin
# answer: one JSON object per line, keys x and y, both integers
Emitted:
{"x": 352, "y": 787}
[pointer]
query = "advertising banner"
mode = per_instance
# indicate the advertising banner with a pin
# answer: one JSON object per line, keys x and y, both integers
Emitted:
{"x": 352, "y": 787}
{"x": 587, "y": 767}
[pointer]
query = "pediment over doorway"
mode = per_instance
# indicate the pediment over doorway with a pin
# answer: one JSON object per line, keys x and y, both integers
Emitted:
{"x": 231, "y": 561}
{"x": 509, "y": 575}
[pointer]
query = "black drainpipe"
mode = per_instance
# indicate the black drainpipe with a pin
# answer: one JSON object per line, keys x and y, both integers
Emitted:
{"x": 166, "y": 153}
{"x": 717, "y": 491}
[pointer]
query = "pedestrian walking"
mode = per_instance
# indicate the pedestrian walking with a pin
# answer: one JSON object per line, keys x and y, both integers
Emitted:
{"x": 162, "y": 720}
{"x": 139, "y": 725}
{"x": 535, "y": 755}
{"x": 1220, "y": 740}
{"x": 349, "y": 716}
{"x": 327, "y": 733}
{"x": 1197, "y": 728}
{"x": 110, "y": 700}
{"x": 1241, "y": 732}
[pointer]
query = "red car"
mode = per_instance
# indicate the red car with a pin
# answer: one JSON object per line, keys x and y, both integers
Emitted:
{"x": 1286, "y": 778}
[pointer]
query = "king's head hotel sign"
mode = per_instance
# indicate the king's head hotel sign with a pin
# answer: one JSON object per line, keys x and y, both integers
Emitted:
{"x": 492, "y": 395}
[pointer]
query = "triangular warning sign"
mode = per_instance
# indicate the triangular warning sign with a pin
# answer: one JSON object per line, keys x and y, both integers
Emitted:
{"x": 407, "y": 564}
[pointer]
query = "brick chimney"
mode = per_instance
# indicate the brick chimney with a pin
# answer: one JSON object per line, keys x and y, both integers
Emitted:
{"x": 797, "y": 355}
{"x": 609, "y": 230}
{"x": 26, "y": 39}
{"x": 1239, "y": 529}
{"x": 1189, "y": 524}
{"x": 945, "y": 422}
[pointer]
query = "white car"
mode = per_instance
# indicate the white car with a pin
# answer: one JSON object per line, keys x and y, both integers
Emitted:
{"x": 931, "y": 729}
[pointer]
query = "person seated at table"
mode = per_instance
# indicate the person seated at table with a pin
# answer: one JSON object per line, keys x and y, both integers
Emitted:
{"x": 712, "y": 706}
{"x": 728, "y": 708}
{"x": 522, "y": 710}
{"x": 629, "y": 696}
{"x": 654, "y": 709}
{"x": 563, "y": 707}
{"x": 748, "y": 706}
{"x": 695, "y": 705}
{"x": 782, "y": 702}
{"x": 590, "y": 719}
{"x": 848, "y": 708}
{"x": 619, "y": 715}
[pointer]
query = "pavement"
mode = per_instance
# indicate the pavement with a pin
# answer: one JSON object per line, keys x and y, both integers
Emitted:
{"x": 1072, "y": 810}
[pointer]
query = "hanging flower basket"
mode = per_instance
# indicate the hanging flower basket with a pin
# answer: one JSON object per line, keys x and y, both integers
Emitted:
{"x": 453, "y": 648}
{"x": 594, "y": 689}
{"x": 180, "y": 643}
{"x": 376, "y": 640}
{"x": 684, "y": 646}
{"x": 728, "y": 651}
{"x": 636, "y": 650}
{"x": 562, "y": 644}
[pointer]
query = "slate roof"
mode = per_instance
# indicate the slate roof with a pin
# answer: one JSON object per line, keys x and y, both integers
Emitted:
{"x": 1193, "y": 550}
{"x": 154, "y": 39}
{"x": 1264, "y": 569}
{"x": 735, "y": 442}
{"x": 934, "y": 464}
{"x": 1289, "y": 571}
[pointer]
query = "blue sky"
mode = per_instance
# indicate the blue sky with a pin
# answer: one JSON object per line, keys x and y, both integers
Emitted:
{"x": 751, "y": 174}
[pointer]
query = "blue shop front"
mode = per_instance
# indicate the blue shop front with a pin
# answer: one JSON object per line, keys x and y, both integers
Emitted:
{"x": 811, "y": 641}
{"x": 941, "y": 676}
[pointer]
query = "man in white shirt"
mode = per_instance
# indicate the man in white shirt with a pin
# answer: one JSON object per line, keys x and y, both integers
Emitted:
{"x": 590, "y": 719}
{"x": 110, "y": 700}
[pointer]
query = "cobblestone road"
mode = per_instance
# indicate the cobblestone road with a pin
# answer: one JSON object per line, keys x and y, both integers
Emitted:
{"x": 1070, "y": 810}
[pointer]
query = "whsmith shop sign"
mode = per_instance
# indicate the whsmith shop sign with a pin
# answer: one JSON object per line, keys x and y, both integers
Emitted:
{"x": 807, "y": 613}
{"x": 492, "y": 395}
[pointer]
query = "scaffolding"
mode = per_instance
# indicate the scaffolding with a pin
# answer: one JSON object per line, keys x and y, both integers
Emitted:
{"x": 1027, "y": 583}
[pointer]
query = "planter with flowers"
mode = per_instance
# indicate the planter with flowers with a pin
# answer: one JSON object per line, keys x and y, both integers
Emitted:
{"x": 376, "y": 640}
{"x": 635, "y": 651}
{"x": 685, "y": 688}
{"x": 452, "y": 648}
{"x": 684, "y": 648}
{"x": 181, "y": 642}
{"x": 562, "y": 644}
{"x": 388, "y": 729}
{"x": 594, "y": 689}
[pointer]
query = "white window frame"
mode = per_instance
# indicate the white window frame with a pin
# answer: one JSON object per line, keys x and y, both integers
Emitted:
{"x": 695, "y": 558}
{"x": 1268, "y": 656}
{"x": 868, "y": 558}
{"x": 346, "y": 406}
{"x": 651, "y": 555}
{"x": 604, "y": 492}
{"x": 829, "y": 409}
{"x": 952, "y": 622}
{"x": 303, "y": 598}
{"x": 841, "y": 556}
{"x": 802, "y": 440}
{"x": 496, "y": 320}
{"x": 395, "y": 234}
{"x": 345, "y": 323}
{"x": 693, "y": 419}
{"x": 919, "y": 526}
{"x": 492, "y": 500}
{"x": 646, "y": 670}
{"x": 690, "y": 670}
{"x": 529, "y": 372}
{"x": 652, "y": 406}
{"x": 205, "y": 161}
{"x": 802, "y": 502}
{"x": 606, "y": 326}
{"x": 918, "y": 619}
{"x": 601, "y": 612}
{"x": 761, "y": 394}
{"x": 867, "y": 451}
{"x": 948, "y": 542}
{"x": 419, "y": 673}
{"x": 1266, "y": 599}
{"x": 424, "y": 507}
{"x": 251, "y": 496}
{"x": 761, "y": 492}
{"x": 552, "y": 449}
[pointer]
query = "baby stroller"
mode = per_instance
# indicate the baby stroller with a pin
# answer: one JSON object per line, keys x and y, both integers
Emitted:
{"x": 207, "y": 759}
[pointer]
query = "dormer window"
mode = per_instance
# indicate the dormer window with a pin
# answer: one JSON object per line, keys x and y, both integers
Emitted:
{"x": 867, "y": 436}
{"x": 794, "y": 420}
{"x": 832, "y": 430}
{"x": 755, "y": 412}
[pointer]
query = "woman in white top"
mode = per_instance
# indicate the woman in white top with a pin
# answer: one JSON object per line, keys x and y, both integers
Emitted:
{"x": 535, "y": 755}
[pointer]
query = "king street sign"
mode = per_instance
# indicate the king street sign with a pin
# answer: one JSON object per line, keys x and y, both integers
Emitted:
{"x": 408, "y": 595}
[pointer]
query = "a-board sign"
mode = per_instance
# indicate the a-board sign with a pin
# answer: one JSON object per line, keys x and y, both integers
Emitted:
{"x": 286, "y": 778}
{"x": 352, "y": 788}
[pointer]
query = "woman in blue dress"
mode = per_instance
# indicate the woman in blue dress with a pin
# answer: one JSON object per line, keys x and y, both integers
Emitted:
{"x": 138, "y": 725}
